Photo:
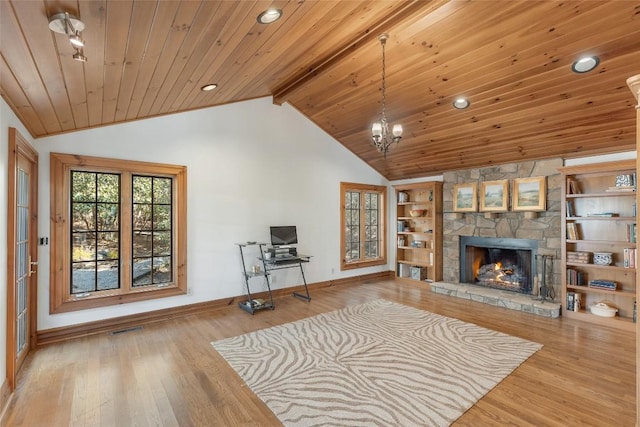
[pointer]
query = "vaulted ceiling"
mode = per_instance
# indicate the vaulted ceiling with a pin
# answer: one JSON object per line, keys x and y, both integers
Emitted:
{"x": 512, "y": 59}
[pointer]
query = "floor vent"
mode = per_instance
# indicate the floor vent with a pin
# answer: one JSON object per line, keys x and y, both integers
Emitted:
{"x": 122, "y": 331}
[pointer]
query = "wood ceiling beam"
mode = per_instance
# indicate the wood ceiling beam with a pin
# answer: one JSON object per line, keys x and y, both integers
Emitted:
{"x": 407, "y": 11}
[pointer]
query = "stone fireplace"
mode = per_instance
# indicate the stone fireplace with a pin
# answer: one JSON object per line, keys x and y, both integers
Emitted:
{"x": 499, "y": 263}
{"x": 543, "y": 228}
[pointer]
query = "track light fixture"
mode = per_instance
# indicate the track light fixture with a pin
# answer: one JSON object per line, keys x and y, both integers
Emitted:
{"x": 79, "y": 56}
{"x": 64, "y": 23}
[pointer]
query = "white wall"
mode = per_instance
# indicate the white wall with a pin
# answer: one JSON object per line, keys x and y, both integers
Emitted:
{"x": 249, "y": 165}
{"x": 7, "y": 120}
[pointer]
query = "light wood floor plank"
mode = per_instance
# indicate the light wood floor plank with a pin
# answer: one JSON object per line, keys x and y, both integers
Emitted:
{"x": 168, "y": 374}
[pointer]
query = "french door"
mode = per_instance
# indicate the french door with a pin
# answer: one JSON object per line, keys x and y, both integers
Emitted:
{"x": 22, "y": 252}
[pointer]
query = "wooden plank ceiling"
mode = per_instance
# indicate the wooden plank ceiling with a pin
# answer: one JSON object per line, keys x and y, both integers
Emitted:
{"x": 512, "y": 59}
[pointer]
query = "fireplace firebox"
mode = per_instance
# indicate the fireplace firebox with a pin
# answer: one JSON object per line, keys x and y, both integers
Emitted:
{"x": 501, "y": 263}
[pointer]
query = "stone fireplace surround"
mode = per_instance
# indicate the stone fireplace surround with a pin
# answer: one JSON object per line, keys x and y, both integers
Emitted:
{"x": 544, "y": 227}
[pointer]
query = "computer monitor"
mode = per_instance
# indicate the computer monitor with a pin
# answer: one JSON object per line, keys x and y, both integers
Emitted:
{"x": 284, "y": 235}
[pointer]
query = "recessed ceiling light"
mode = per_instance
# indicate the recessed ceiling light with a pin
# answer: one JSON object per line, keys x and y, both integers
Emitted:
{"x": 461, "y": 103}
{"x": 585, "y": 64}
{"x": 269, "y": 16}
{"x": 208, "y": 87}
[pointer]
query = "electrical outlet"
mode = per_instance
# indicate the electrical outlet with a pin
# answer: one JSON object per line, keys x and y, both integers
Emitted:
{"x": 189, "y": 291}
{"x": 333, "y": 271}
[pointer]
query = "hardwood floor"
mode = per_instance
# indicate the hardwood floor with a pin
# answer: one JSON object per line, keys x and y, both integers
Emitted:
{"x": 168, "y": 374}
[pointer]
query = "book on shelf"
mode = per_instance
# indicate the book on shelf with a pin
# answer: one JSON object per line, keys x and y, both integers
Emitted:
{"x": 571, "y": 301}
{"x": 602, "y": 214}
{"x": 578, "y": 257}
{"x": 570, "y": 212}
{"x": 629, "y": 257}
{"x": 631, "y": 233}
{"x": 575, "y": 277}
{"x": 572, "y": 231}
{"x": 572, "y": 186}
{"x": 625, "y": 256}
{"x": 621, "y": 189}
{"x": 603, "y": 284}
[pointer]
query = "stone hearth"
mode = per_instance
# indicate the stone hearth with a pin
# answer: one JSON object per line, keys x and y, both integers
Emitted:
{"x": 499, "y": 298}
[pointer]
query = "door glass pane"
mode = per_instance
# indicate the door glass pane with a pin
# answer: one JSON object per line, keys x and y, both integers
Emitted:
{"x": 22, "y": 259}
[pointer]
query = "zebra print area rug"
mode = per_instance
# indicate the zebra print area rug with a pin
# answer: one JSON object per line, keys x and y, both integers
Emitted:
{"x": 373, "y": 364}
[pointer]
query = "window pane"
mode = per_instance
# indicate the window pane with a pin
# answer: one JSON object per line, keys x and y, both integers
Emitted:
{"x": 373, "y": 202}
{"x": 142, "y": 189}
{"x": 161, "y": 243}
{"x": 354, "y": 251}
{"x": 108, "y": 217}
{"x": 142, "y": 272}
{"x": 84, "y": 216}
{"x": 83, "y": 186}
{"x": 355, "y": 217}
{"x": 108, "y": 187}
{"x": 162, "y": 217}
{"x": 142, "y": 217}
{"x": 108, "y": 246}
{"x": 108, "y": 277}
{"x": 83, "y": 247}
{"x": 355, "y": 201}
{"x": 162, "y": 190}
{"x": 141, "y": 244}
{"x": 162, "y": 270}
{"x": 83, "y": 277}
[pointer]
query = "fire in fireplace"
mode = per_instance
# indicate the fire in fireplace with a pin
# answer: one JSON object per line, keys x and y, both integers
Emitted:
{"x": 500, "y": 263}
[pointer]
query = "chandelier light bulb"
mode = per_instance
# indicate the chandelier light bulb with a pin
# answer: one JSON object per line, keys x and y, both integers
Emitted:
{"x": 376, "y": 129}
{"x": 397, "y": 131}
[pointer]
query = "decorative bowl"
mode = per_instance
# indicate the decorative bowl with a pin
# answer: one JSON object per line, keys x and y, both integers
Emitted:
{"x": 602, "y": 309}
{"x": 418, "y": 244}
{"x": 602, "y": 258}
{"x": 416, "y": 212}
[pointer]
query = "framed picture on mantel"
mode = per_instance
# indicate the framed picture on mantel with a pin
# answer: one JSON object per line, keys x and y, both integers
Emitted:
{"x": 494, "y": 196}
{"x": 530, "y": 194}
{"x": 464, "y": 197}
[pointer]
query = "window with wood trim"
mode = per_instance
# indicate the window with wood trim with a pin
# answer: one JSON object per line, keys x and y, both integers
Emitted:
{"x": 363, "y": 231}
{"x": 118, "y": 231}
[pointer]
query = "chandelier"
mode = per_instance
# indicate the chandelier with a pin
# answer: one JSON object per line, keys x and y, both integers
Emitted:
{"x": 382, "y": 137}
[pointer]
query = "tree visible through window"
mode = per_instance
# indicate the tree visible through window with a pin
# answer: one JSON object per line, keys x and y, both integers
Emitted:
{"x": 151, "y": 230}
{"x": 363, "y": 230}
{"x": 122, "y": 236}
{"x": 95, "y": 235}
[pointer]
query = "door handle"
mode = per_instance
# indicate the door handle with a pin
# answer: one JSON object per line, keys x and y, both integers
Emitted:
{"x": 32, "y": 263}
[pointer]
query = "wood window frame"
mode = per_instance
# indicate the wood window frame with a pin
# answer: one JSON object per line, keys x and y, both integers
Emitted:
{"x": 61, "y": 300}
{"x": 382, "y": 203}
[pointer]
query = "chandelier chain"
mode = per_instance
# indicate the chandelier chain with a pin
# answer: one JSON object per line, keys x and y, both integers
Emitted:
{"x": 384, "y": 84}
